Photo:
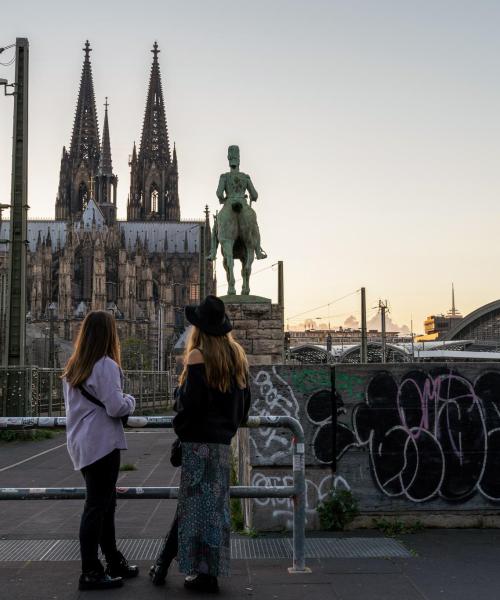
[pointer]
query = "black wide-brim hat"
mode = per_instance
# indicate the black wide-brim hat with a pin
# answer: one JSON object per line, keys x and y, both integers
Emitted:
{"x": 209, "y": 316}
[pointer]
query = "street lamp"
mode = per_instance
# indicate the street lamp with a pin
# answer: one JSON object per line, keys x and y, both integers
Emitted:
{"x": 6, "y": 84}
{"x": 52, "y": 309}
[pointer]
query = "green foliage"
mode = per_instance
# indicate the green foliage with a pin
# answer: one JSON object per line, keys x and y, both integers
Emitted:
{"x": 136, "y": 354}
{"x": 337, "y": 510}
{"x": 128, "y": 467}
{"x": 394, "y": 527}
{"x": 26, "y": 435}
{"x": 237, "y": 521}
{"x": 251, "y": 533}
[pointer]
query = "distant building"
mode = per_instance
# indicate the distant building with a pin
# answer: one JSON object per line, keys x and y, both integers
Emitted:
{"x": 481, "y": 325}
{"x": 437, "y": 326}
{"x": 340, "y": 336}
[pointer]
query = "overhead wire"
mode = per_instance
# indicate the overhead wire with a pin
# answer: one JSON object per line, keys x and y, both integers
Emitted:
{"x": 7, "y": 64}
{"x": 323, "y": 305}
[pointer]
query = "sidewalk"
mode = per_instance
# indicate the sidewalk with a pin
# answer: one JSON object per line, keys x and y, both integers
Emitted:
{"x": 451, "y": 565}
{"x": 444, "y": 564}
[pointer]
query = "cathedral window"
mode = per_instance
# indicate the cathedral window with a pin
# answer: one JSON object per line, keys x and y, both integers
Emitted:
{"x": 154, "y": 201}
{"x": 194, "y": 294}
{"x": 82, "y": 196}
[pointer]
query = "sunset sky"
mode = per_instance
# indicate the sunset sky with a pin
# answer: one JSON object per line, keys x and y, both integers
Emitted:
{"x": 371, "y": 131}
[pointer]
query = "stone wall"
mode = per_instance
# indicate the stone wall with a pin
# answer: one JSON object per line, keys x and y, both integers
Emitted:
{"x": 259, "y": 328}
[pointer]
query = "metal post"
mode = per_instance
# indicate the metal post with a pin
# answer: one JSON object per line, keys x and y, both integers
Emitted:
{"x": 16, "y": 304}
{"x": 334, "y": 422}
{"x": 383, "y": 307}
{"x": 51, "y": 391}
{"x": 160, "y": 338}
{"x": 281, "y": 284}
{"x": 52, "y": 353}
{"x": 203, "y": 264}
{"x": 299, "y": 505}
{"x": 364, "y": 338}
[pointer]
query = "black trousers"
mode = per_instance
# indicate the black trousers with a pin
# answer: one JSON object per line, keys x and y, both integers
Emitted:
{"x": 97, "y": 526}
{"x": 170, "y": 545}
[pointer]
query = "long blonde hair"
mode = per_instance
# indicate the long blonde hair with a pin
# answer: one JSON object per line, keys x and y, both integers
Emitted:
{"x": 224, "y": 359}
{"x": 98, "y": 337}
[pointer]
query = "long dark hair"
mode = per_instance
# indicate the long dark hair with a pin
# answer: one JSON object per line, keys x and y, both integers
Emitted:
{"x": 224, "y": 359}
{"x": 98, "y": 337}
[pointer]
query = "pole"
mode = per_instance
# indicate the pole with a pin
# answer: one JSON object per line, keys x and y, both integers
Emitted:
{"x": 383, "y": 307}
{"x": 51, "y": 338}
{"x": 281, "y": 284}
{"x": 203, "y": 266}
{"x": 160, "y": 337}
{"x": 16, "y": 283}
{"x": 364, "y": 338}
{"x": 412, "y": 342}
{"x": 15, "y": 321}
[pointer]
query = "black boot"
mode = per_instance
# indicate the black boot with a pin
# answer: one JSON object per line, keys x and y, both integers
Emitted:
{"x": 201, "y": 583}
{"x": 158, "y": 572}
{"x": 117, "y": 566}
{"x": 98, "y": 580}
{"x": 168, "y": 552}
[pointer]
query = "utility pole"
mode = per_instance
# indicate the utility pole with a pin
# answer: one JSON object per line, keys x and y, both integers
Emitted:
{"x": 15, "y": 316}
{"x": 412, "y": 340}
{"x": 364, "y": 336}
{"x": 383, "y": 308}
{"x": 281, "y": 285}
{"x": 203, "y": 255}
{"x": 52, "y": 346}
{"x": 16, "y": 303}
{"x": 161, "y": 365}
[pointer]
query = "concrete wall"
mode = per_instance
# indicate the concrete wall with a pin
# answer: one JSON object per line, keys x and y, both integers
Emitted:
{"x": 410, "y": 438}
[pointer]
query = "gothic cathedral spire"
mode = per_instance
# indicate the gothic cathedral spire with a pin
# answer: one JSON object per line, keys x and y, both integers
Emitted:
{"x": 154, "y": 141}
{"x": 154, "y": 177}
{"x": 79, "y": 166}
{"x": 105, "y": 181}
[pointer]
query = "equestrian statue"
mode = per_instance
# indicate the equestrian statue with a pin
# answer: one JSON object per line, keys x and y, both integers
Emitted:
{"x": 235, "y": 225}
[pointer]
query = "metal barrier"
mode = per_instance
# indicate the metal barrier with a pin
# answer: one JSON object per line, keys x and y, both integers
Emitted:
{"x": 36, "y": 391}
{"x": 297, "y": 492}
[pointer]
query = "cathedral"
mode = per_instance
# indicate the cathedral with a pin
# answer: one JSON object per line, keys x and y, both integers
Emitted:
{"x": 144, "y": 269}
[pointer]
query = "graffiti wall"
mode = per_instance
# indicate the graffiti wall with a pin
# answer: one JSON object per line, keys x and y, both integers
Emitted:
{"x": 408, "y": 437}
{"x": 304, "y": 393}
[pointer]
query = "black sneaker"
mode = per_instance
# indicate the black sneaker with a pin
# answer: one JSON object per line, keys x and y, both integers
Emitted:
{"x": 98, "y": 580}
{"x": 118, "y": 567}
{"x": 201, "y": 583}
{"x": 158, "y": 573}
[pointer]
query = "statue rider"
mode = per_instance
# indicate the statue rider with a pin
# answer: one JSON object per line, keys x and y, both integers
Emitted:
{"x": 232, "y": 188}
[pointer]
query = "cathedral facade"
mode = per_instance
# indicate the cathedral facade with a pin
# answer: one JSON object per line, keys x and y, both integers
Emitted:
{"x": 144, "y": 269}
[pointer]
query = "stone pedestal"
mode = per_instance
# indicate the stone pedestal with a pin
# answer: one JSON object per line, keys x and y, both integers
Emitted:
{"x": 258, "y": 325}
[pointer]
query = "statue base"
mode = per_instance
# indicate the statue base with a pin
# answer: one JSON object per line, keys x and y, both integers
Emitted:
{"x": 240, "y": 299}
{"x": 258, "y": 325}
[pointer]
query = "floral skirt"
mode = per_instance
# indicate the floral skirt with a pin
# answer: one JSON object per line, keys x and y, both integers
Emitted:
{"x": 203, "y": 509}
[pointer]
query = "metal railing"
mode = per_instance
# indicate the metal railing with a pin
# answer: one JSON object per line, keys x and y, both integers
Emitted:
{"x": 38, "y": 391}
{"x": 297, "y": 491}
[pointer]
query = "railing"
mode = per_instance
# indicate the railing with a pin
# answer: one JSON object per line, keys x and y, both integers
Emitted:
{"x": 38, "y": 391}
{"x": 297, "y": 492}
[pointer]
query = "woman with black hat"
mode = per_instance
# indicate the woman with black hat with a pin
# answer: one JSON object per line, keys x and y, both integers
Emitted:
{"x": 212, "y": 401}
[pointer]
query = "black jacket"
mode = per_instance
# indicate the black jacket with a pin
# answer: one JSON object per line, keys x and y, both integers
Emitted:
{"x": 205, "y": 414}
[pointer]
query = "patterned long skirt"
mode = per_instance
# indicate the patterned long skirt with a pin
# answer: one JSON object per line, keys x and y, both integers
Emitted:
{"x": 203, "y": 509}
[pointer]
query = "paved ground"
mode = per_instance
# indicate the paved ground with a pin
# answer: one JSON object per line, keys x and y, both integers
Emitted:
{"x": 448, "y": 564}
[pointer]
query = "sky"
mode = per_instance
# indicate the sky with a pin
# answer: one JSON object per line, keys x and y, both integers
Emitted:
{"x": 371, "y": 130}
